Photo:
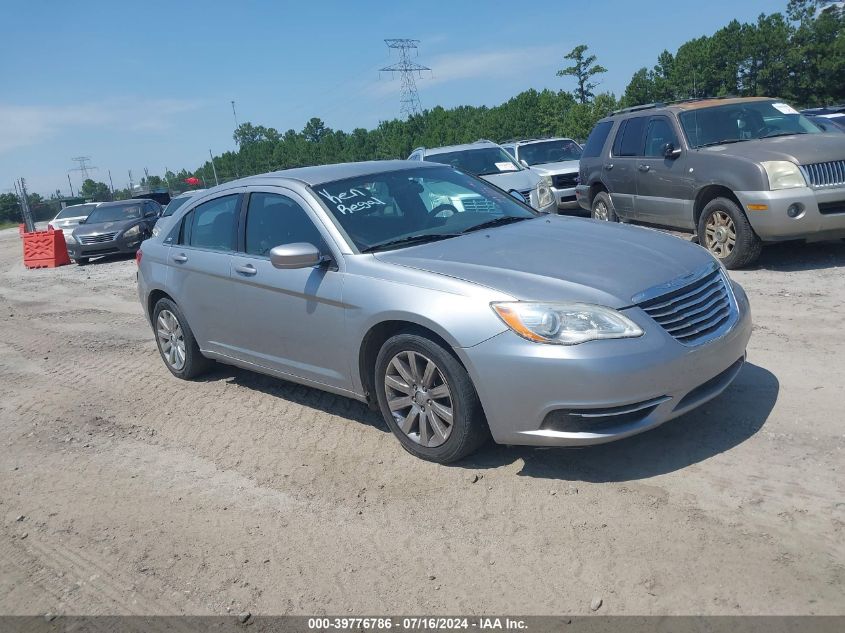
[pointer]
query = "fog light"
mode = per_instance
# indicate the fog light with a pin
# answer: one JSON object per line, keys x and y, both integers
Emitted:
{"x": 795, "y": 209}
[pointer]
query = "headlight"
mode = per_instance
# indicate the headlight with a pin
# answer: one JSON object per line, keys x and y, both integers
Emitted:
{"x": 544, "y": 193}
{"x": 156, "y": 230}
{"x": 783, "y": 174}
{"x": 135, "y": 231}
{"x": 565, "y": 323}
{"x": 70, "y": 239}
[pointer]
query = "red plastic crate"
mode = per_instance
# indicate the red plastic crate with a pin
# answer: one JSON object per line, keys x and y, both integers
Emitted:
{"x": 44, "y": 249}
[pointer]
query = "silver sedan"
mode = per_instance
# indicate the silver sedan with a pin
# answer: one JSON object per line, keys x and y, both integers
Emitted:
{"x": 452, "y": 308}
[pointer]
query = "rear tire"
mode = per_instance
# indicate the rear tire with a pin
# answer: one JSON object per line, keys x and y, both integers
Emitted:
{"x": 602, "y": 208}
{"x": 724, "y": 230}
{"x": 176, "y": 342}
{"x": 81, "y": 261}
{"x": 428, "y": 400}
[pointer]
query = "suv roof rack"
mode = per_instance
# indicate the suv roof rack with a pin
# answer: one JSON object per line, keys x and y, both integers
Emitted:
{"x": 637, "y": 108}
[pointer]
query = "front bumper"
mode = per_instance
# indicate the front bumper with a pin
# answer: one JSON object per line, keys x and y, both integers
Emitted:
{"x": 119, "y": 245}
{"x": 624, "y": 386}
{"x": 565, "y": 198}
{"x": 822, "y": 216}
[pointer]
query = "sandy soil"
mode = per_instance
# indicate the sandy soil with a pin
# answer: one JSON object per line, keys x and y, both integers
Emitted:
{"x": 125, "y": 491}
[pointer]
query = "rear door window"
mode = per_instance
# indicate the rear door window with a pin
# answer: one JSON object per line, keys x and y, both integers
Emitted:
{"x": 629, "y": 139}
{"x": 211, "y": 225}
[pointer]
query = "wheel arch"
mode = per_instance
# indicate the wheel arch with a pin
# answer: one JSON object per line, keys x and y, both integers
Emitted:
{"x": 595, "y": 188}
{"x": 153, "y": 298}
{"x": 707, "y": 194}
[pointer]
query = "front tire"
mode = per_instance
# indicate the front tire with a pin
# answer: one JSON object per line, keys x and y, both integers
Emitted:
{"x": 176, "y": 342}
{"x": 724, "y": 230}
{"x": 428, "y": 400}
{"x": 81, "y": 261}
{"x": 602, "y": 208}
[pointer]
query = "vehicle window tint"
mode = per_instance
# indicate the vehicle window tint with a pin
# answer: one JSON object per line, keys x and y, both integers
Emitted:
{"x": 595, "y": 142}
{"x": 212, "y": 224}
{"x": 632, "y": 138}
{"x": 273, "y": 220}
{"x": 617, "y": 142}
{"x": 659, "y": 133}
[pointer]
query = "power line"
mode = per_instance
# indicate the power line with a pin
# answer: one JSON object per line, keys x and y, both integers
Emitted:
{"x": 409, "y": 98}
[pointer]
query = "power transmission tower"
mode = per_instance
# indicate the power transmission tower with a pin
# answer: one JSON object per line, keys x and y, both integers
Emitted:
{"x": 84, "y": 167}
{"x": 409, "y": 98}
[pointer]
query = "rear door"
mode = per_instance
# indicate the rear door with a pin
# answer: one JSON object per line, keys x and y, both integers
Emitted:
{"x": 199, "y": 265}
{"x": 664, "y": 185}
{"x": 620, "y": 169}
{"x": 291, "y": 321}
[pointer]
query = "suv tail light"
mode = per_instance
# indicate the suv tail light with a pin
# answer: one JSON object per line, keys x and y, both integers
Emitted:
{"x": 138, "y": 255}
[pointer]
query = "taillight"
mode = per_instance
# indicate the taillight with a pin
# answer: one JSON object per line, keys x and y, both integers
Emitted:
{"x": 138, "y": 255}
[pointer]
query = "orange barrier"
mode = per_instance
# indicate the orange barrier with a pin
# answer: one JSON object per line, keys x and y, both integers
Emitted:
{"x": 44, "y": 249}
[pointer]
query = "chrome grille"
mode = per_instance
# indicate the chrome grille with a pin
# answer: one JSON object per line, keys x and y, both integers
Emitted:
{"x": 97, "y": 239}
{"x": 477, "y": 204}
{"x": 696, "y": 311}
{"x": 830, "y": 174}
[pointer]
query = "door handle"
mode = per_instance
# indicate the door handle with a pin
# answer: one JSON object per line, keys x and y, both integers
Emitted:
{"x": 609, "y": 167}
{"x": 248, "y": 269}
{"x": 643, "y": 167}
{"x": 181, "y": 258}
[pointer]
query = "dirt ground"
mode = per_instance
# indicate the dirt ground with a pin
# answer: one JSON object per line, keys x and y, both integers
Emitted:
{"x": 126, "y": 491}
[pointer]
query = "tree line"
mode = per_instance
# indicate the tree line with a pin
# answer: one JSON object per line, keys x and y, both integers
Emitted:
{"x": 797, "y": 55}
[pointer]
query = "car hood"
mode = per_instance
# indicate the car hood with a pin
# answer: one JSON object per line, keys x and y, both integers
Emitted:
{"x": 560, "y": 258}
{"x": 66, "y": 222}
{"x": 105, "y": 227}
{"x": 553, "y": 169}
{"x": 803, "y": 149}
{"x": 519, "y": 180}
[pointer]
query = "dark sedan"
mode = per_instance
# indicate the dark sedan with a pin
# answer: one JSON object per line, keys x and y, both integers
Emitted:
{"x": 113, "y": 228}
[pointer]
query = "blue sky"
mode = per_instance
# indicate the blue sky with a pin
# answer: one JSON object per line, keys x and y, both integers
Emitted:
{"x": 137, "y": 85}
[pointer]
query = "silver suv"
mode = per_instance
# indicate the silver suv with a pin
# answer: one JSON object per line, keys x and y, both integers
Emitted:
{"x": 738, "y": 171}
{"x": 489, "y": 161}
{"x": 556, "y": 159}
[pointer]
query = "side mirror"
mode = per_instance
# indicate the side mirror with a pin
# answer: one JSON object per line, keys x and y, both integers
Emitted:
{"x": 670, "y": 151}
{"x": 515, "y": 194}
{"x": 299, "y": 255}
{"x": 82, "y": 221}
{"x": 524, "y": 163}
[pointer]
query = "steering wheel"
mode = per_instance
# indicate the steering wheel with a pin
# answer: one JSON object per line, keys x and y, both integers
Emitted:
{"x": 447, "y": 210}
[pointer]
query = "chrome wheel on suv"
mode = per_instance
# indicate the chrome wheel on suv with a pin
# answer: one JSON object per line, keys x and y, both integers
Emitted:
{"x": 724, "y": 230}
{"x": 419, "y": 398}
{"x": 720, "y": 234}
{"x": 603, "y": 208}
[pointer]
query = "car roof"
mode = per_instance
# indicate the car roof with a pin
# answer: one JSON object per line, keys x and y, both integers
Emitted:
{"x": 709, "y": 103}
{"x": 528, "y": 141}
{"x": 320, "y": 174}
{"x": 458, "y": 148}
{"x": 189, "y": 193}
{"x": 118, "y": 203}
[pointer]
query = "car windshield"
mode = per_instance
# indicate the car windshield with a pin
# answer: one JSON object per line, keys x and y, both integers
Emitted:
{"x": 743, "y": 121}
{"x": 483, "y": 161}
{"x": 400, "y": 208}
{"x": 115, "y": 213}
{"x": 549, "y": 152}
{"x": 174, "y": 204}
{"x": 75, "y": 211}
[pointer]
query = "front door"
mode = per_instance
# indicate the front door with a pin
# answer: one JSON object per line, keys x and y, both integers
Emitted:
{"x": 291, "y": 321}
{"x": 664, "y": 186}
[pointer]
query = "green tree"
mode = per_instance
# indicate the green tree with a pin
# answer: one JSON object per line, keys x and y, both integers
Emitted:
{"x": 584, "y": 69}
{"x": 96, "y": 191}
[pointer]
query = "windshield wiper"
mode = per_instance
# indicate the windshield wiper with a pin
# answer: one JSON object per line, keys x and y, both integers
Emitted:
{"x": 407, "y": 241}
{"x": 495, "y": 222}
{"x": 725, "y": 141}
{"x": 779, "y": 133}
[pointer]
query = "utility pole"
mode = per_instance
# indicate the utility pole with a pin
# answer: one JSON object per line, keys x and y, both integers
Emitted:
{"x": 70, "y": 185}
{"x": 84, "y": 167}
{"x": 111, "y": 184}
{"x": 235, "y": 114}
{"x": 28, "y": 220}
{"x": 213, "y": 168}
{"x": 409, "y": 98}
{"x": 131, "y": 184}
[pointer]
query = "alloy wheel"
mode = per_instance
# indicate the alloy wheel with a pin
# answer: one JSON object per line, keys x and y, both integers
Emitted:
{"x": 419, "y": 398}
{"x": 600, "y": 211}
{"x": 720, "y": 234}
{"x": 171, "y": 339}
